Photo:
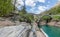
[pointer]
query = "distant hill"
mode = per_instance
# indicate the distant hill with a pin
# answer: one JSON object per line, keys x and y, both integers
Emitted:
{"x": 53, "y": 11}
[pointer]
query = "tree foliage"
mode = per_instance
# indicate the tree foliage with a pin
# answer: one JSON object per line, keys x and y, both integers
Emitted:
{"x": 56, "y": 18}
{"x": 6, "y": 7}
{"x": 45, "y": 17}
{"x": 25, "y": 16}
{"x": 53, "y": 11}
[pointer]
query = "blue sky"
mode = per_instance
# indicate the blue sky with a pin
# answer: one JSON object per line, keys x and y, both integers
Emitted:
{"x": 36, "y": 6}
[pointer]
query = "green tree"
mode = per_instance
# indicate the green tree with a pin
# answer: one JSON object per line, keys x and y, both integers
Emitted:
{"x": 25, "y": 16}
{"x": 6, "y": 7}
{"x": 57, "y": 18}
{"x": 46, "y": 18}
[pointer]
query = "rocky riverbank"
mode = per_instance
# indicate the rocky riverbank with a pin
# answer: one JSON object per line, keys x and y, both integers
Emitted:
{"x": 21, "y": 30}
{"x": 39, "y": 33}
{"x": 51, "y": 23}
{"x": 7, "y": 26}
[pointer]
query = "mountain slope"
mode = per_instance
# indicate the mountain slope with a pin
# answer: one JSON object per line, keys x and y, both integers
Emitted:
{"x": 53, "y": 11}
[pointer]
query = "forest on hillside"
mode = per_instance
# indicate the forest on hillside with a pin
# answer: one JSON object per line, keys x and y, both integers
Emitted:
{"x": 55, "y": 11}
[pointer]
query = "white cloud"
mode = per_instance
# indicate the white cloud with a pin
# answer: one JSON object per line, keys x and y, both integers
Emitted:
{"x": 42, "y": 8}
{"x": 27, "y": 2}
{"x": 37, "y": 12}
{"x": 58, "y": 0}
{"x": 32, "y": 9}
{"x": 47, "y": 5}
{"x": 43, "y": 1}
{"x": 49, "y": 2}
{"x": 30, "y": 3}
{"x": 20, "y": 2}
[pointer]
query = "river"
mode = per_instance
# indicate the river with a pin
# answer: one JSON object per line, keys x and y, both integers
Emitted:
{"x": 51, "y": 31}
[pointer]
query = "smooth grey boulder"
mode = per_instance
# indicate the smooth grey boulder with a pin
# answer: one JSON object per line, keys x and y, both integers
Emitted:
{"x": 14, "y": 31}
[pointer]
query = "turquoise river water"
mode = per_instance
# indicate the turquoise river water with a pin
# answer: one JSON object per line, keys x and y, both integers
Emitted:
{"x": 51, "y": 31}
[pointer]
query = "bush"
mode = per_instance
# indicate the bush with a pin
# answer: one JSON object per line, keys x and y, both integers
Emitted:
{"x": 56, "y": 18}
{"x": 6, "y": 7}
{"x": 46, "y": 17}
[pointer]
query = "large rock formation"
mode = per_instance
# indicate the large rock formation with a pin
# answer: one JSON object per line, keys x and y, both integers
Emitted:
{"x": 22, "y": 30}
{"x": 14, "y": 31}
